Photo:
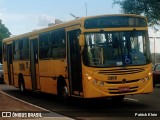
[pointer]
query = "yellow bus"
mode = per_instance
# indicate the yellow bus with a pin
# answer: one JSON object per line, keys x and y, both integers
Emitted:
{"x": 89, "y": 57}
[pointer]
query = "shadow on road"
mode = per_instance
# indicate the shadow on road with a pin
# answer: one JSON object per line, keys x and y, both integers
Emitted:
{"x": 78, "y": 106}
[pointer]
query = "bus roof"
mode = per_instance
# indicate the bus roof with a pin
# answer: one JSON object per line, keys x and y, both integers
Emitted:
{"x": 78, "y": 21}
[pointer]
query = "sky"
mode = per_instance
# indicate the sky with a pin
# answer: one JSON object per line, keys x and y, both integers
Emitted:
{"x": 21, "y": 16}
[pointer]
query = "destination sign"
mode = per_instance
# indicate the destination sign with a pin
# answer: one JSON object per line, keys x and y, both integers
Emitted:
{"x": 115, "y": 21}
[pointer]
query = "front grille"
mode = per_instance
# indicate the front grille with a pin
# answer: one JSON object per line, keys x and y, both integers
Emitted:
{"x": 121, "y": 71}
{"x": 120, "y": 82}
{"x": 129, "y": 88}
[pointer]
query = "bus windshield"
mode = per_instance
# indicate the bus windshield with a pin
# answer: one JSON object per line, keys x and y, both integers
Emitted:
{"x": 107, "y": 49}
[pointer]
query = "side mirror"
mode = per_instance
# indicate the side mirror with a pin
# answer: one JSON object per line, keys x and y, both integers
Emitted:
{"x": 81, "y": 42}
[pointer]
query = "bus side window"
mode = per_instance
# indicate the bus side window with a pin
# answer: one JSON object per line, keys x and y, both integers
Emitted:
{"x": 16, "y": 50}
{"x": 5, "y": 51}
{"x": 44, "y": 46}
{"x": 58, "y": 44}
{"x": 25, "y": 48}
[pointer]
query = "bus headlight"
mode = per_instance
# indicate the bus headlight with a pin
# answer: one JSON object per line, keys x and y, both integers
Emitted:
{"x": 95, "y": 82}
{"x": 149, "y": 74}
{"x": 147, "y": 78}
{"x": 88, "y": 77}
{"x": 101, "y": 83}
{"x": 142, "y": 79}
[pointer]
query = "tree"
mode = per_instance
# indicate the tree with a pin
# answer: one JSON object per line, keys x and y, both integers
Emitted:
{"x": 148, "y": 8}
{"x": 4, "y": 33}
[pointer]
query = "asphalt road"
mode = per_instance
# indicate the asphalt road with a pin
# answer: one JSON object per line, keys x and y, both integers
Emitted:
{"x": 139, "y": 107}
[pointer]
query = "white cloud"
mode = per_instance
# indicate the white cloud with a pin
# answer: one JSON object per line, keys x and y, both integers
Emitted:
{"x": 44, "y": 20}
{"x": 22, "y": 23}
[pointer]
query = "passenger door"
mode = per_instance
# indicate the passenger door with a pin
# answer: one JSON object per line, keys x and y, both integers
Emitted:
{"x": 34, "y": 63}
{"x": 10, "y": 64}
{"x": 74, "y": 63}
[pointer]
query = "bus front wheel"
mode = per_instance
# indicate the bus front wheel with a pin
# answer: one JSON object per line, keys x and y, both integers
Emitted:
{"x": 64, "y": 92}
{"x": 62, "y": 89}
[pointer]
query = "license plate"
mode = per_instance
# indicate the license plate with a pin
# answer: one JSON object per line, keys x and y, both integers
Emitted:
{"x": 123, "y": 89}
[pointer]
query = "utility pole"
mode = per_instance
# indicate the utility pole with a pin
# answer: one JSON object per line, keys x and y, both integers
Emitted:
{"x": 86, "y": 8}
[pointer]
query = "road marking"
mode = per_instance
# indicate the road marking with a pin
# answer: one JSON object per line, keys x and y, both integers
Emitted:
{"x": 131, "y": 99}
{"x": 25, "y": 101}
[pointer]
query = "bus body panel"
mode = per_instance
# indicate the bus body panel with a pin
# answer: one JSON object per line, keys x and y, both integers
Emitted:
{"x": 5, "y": 70}
{"x": 81, "y": 79}
{"x": 49, "y": 75}
{"x": 16, "y": 82}
{"x": 133, "y": 85}
{"x": 48, "y": 85}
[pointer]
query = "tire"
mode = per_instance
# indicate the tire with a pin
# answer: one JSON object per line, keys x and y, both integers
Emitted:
{"x": 22, "y": 86}
{"x": 64, "y": 92}
{"x": 1, "y": 81}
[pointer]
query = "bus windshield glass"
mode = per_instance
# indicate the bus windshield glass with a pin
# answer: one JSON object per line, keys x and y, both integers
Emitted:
{"x": 109, "y": 49}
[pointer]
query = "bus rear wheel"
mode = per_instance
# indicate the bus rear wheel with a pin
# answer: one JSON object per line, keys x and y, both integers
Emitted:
{"x": 21, "y": 84}
{"x": 22, "y": 87}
